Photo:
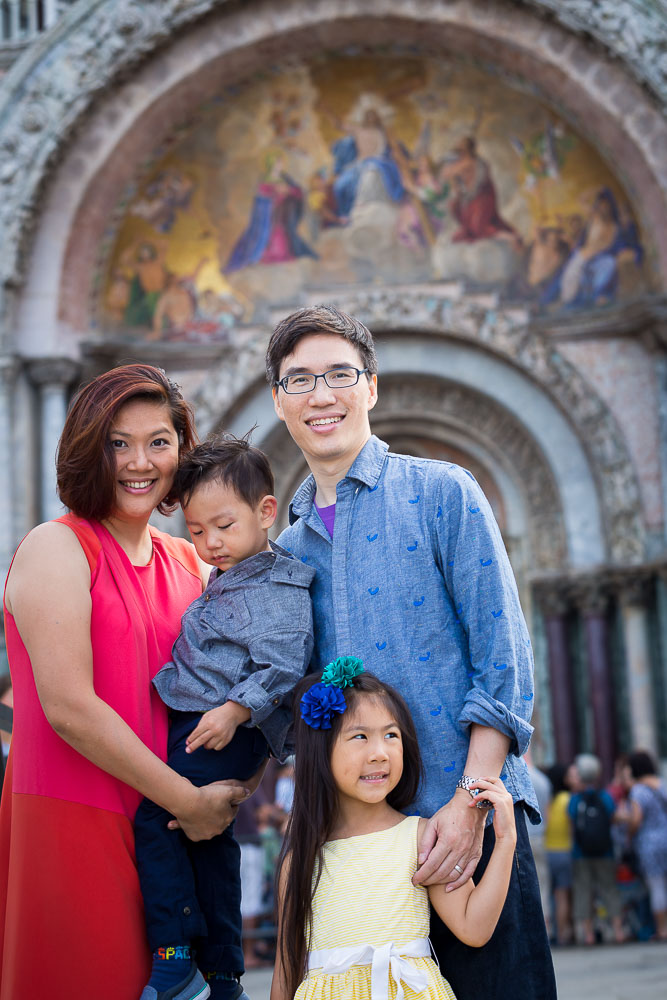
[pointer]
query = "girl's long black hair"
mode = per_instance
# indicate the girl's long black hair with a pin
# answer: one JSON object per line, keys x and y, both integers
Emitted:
{"x": 315, "y": 809}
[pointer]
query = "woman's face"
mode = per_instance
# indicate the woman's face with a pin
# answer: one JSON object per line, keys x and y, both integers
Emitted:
{"x": 145, "y": 445}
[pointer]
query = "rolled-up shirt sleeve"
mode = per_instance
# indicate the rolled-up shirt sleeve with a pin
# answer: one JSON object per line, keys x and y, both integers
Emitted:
{"x": 481, "y": 585}
{"x": 279, "y": 659}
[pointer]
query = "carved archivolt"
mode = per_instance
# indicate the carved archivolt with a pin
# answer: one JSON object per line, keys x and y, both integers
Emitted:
{"x": 506, "y": 333}
{"x": 48, "y": 92}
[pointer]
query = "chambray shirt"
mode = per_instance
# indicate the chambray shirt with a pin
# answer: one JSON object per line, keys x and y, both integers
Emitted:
{"x": 416, "y": 582}
{"x": 248, "y": 639}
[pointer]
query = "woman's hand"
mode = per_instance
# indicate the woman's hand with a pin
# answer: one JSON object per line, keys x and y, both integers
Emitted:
{"x": 213, "y": 808}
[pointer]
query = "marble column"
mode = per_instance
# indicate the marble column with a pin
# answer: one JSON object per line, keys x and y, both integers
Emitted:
{"x": 53, "y": 377}
{"x": 8, "y": 369}
{"x": 593, "y": 601}
{"x": 632, "y": 595}
{"x": 554, "y": 606}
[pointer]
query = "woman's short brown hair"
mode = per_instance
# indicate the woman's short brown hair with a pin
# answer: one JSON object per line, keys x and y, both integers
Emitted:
{"x": 85, "y": 463}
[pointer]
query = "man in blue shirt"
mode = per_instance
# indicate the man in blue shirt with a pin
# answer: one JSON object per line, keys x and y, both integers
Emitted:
{"x": 412, "y": 577}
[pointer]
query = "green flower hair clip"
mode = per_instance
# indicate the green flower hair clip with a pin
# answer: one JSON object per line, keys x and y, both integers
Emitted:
{"x": 342, "y": 671}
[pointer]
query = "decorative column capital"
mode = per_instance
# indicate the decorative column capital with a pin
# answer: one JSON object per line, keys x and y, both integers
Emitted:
{"x": 591, "y": 596}
{"x": 9, "y": 367}
{"x": 553, "y": 598}
{"x": 632, "y": 589}
{"x": 53, "y": 371}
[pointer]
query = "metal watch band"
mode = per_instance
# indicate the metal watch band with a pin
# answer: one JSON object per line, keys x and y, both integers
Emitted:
{"x": 465, "y": 781}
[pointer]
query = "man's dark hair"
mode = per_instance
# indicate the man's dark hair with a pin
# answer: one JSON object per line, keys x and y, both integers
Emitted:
{"x": 314, "y": 320}
{"x": 229, "y": 460}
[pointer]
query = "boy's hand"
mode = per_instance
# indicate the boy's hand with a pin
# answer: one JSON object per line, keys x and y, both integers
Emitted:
{"x": 216, "y": 728}
{"x": 493, "y": 789}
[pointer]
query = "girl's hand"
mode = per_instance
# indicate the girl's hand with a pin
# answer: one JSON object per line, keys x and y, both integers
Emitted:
{"x": 494, "y": 790}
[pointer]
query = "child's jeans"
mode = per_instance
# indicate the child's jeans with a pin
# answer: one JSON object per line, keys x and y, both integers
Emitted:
{"x": 192, "y": 889}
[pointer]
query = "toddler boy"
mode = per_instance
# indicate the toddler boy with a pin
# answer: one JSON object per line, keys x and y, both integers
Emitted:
{"x": 243, "y": 646}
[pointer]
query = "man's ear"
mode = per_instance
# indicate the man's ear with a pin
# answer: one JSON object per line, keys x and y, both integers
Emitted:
{"x": 372, "y": 391}
{"x": 276, "y": 403}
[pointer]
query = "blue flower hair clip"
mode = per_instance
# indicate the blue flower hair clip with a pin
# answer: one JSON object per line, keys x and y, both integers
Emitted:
{"x": 323, "y": 699}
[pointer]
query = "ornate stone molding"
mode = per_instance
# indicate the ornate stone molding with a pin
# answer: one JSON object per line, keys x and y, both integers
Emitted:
{"x": 633, "y": 31}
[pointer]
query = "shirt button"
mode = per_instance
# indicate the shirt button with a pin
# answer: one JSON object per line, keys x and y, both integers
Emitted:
{"x": 276, "y": 701}
{"x": 187, "y": 911}
{"x": 208, "y": 597}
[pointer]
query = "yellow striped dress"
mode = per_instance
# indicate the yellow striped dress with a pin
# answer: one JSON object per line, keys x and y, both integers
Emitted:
{"x": 371, "y": 924}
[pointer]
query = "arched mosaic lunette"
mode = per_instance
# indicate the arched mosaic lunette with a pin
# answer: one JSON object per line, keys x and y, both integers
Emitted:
{"x": 508, "y": 334}
{"x": 48, "y": 92}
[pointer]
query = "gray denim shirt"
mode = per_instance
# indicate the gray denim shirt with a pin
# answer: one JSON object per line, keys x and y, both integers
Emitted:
{"x": 248, "y": 638}
{"x": 416, "y": 582}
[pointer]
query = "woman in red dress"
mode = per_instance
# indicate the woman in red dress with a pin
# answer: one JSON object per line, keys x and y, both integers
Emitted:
{"x": 93, "y": 603}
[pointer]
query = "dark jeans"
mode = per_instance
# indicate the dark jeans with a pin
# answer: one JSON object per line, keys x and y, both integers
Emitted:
{"x": 516, "y": 962}
{"x": 192, "y": 889}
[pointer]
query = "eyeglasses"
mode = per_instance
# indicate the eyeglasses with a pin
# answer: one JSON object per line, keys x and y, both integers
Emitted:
{"x": 336, "y": 378}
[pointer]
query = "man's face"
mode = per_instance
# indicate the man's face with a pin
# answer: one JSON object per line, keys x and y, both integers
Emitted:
{"x": 327, "y": 424}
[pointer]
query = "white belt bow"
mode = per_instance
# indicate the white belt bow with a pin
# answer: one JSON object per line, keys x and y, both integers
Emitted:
{"x": 385, "y": 960}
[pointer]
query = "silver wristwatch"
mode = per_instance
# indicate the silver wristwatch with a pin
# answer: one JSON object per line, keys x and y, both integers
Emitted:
{"x": 465, "y": 781}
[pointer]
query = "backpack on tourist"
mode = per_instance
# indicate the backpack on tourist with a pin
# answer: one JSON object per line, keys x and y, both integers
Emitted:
{"x": 592, "y": 825}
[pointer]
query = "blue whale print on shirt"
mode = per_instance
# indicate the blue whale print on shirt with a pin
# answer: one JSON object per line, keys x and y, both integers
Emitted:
{"x": 500, "y": 666}
{"x": 450, "y": 767}
{"x": 425, "y": 657}
{"x": 373, "y": 591}
{"x": 439, "y": 514}
{"x": 371, "y": 538}
{"x": 497, "y": 614}
{"x": 436, "y": 711}
{"x": 451, "y": 562}
{"x": 372, "y": 489}
{"x": 528, "y": 697}
{"x": 416, "y": 499}
{"x": 411, "y": 548}
{"x": 473, "y": 510}
{"x": 418, "y": 603}
{"x": 485, "y": 562}
{"x": 304, "y": 558}
{"x": 380, "y": 645}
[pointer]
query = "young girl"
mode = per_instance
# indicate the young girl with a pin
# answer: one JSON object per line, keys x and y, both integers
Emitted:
{"x": 352, "y": 926}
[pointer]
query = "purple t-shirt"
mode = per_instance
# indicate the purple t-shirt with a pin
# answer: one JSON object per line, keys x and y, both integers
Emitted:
{"x": 328, "y": 515}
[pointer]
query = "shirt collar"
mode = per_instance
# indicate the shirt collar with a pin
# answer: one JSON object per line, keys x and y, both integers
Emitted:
{"x": 366, "y": 468}
{"x": 253, "y": 565}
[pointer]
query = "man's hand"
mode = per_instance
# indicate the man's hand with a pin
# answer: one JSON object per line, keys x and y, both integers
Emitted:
{"x": 216, "y": 728}
{"x": 452, "y": 837}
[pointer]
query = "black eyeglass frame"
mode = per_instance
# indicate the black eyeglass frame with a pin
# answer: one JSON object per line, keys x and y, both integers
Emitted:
{"x": 280, "y": 383}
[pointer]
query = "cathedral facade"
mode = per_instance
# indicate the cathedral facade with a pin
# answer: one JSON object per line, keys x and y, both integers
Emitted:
{"x": 483, "y": 183}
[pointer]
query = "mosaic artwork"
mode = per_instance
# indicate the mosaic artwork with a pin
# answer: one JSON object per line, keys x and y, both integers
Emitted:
{"x": 357, "y": 170}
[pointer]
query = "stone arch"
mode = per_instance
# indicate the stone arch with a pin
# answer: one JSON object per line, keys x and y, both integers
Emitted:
{"x": 100, "y": 44}
{"x": 526, "y": 375}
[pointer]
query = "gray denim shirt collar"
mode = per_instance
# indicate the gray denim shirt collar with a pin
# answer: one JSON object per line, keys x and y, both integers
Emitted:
{"x": 285, "y": 568}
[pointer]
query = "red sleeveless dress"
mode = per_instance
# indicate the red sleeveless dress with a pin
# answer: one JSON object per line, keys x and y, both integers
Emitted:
{"x": 71, "y": 915}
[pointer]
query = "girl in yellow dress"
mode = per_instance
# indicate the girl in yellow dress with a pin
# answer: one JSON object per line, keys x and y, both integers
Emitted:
{"x": 352, "y": 926}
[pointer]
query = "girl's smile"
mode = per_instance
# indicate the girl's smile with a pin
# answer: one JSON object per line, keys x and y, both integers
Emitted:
{"x": 367, "y": 755}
